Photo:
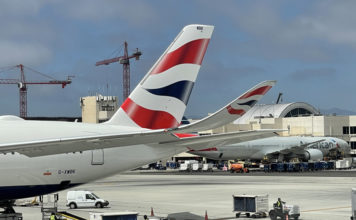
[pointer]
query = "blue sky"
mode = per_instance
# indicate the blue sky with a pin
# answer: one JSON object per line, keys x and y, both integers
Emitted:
{"x": 307, "y": 46}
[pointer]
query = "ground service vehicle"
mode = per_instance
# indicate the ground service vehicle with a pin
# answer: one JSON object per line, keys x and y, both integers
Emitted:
{"x": 284, "y": 212}
{"x": 81, "y": 198}
{"x": 238, "y": 168}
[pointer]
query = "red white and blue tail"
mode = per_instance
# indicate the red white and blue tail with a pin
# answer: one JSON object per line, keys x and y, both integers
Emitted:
{"x": 232, "y": 111}
{"x": 160, "y": 99}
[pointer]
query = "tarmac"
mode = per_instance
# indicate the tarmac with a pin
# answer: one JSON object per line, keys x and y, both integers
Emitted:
{"x": 324, "y": 195}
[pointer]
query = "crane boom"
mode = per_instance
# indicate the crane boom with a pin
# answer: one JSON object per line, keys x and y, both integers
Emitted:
{"x": 22, "y": 84}
{"x": 125, "y": 61}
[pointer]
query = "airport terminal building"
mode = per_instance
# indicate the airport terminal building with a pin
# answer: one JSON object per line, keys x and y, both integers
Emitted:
{"x": 297, "y": 118}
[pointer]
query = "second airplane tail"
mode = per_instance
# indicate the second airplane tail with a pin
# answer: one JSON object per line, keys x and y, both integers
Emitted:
{"x": 160, "y": 99}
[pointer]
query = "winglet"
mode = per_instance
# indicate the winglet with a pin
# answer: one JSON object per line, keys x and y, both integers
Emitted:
{"x": 232, "y": 111}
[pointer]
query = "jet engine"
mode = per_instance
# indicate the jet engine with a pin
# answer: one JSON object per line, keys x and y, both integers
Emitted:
{"x": 313, "y": 154}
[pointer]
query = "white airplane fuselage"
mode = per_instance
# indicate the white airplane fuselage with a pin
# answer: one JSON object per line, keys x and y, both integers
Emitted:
{"x": 23, "y": 176}
{"x": 259, "y": 149}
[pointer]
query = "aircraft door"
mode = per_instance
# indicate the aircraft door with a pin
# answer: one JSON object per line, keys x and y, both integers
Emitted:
{"x": 97, "y": 157}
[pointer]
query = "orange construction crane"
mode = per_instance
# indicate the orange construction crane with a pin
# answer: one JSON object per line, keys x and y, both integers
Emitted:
{"x": 22, "y": 84}
{"x": 125, "y": 61}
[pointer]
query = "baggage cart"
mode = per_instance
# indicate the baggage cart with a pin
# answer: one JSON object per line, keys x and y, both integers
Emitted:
{"x": 303, "y": 166}
{"x": 255, "y": 206}
{"x": 208, "y": 167}
{"x": 197, "y": 166}
{"x": 280, "y": 167}
{"x": 267, "y": 168}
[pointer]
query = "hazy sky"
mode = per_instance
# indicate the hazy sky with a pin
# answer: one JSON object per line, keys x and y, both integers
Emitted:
{"x": 309, "y": 47}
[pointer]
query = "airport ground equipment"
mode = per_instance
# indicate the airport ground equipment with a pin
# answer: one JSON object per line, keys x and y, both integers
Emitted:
{"x": 188, "y": 165}
{"x": 184, "y": 167}
{"x": 171, "y": 165}
{"x": 11, "y": 216}
{"x": 69, "y": 216}
{"x": 290, "y": 211}
{"x": 208, "y": 167}
{"x": 353, "y": 203}
{"x": 48, "y": 206}
{"x": 299, "y": 167}
{"x": 22, "y": 83}
{"x": 343, "y": 164}
{"x": 9, "y": 213}
{"x": 114, "y": 215}
{"x": 159, "y": 166}
{"x": 238, "y": 168}
{"x": 197, "y": 166}
{"x": 255, "y": 206}
{"x": 82, "y": 198}
{"x": 27, "y": 202}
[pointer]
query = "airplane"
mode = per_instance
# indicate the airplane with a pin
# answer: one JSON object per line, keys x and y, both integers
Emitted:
{"x": 42, "y": 157}
{"x": 276, "y": 148}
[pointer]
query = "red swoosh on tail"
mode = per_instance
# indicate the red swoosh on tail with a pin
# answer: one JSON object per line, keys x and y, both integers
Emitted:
{"x": 260, "y": 91}
{"x": 233, "y": 111}
{"x": 147, "y": 118}
{"x": 192, "y": 52}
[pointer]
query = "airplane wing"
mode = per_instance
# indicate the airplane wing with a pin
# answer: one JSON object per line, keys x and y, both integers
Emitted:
{"x": 216, "y": 140}
{"x": 71, "y": 145}
{"x": 294, "y": 149}
{"x": 231, "y": 111}
{"x": 78, "y": 144}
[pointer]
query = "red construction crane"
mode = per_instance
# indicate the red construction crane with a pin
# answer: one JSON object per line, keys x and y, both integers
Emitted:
{"x": 22, "y": 84}
{"x": 125, "y": 61}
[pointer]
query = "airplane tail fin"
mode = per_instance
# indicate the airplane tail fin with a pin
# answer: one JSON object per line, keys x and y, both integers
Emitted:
{"x": 159, "y": 100}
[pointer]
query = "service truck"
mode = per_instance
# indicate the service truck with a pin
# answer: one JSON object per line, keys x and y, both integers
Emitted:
{"x": 82, "y": 198}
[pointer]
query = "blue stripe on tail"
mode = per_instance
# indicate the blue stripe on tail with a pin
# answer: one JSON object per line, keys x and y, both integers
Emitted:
{"x": 180, "y": 90}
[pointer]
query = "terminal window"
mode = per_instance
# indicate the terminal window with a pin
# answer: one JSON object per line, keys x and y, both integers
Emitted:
{"x": 349, "y": 130}
{"x": 353, "y": 144}
{"x": 345, "y": 130}
{"x": 353, "y": 130}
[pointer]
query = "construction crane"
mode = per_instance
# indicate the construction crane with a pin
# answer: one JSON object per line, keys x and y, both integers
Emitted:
{"x": 22, "y": 84}
{"x": 125, "y": 61}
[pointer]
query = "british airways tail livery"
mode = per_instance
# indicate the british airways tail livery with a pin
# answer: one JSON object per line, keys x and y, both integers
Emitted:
{"x": 41, "y": 157}
{"x": 160, "y": 99}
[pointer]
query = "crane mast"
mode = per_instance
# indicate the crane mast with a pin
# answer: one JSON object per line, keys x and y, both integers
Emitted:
{"x": 125, "y": 61}
{"x": 23, "y": 93}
